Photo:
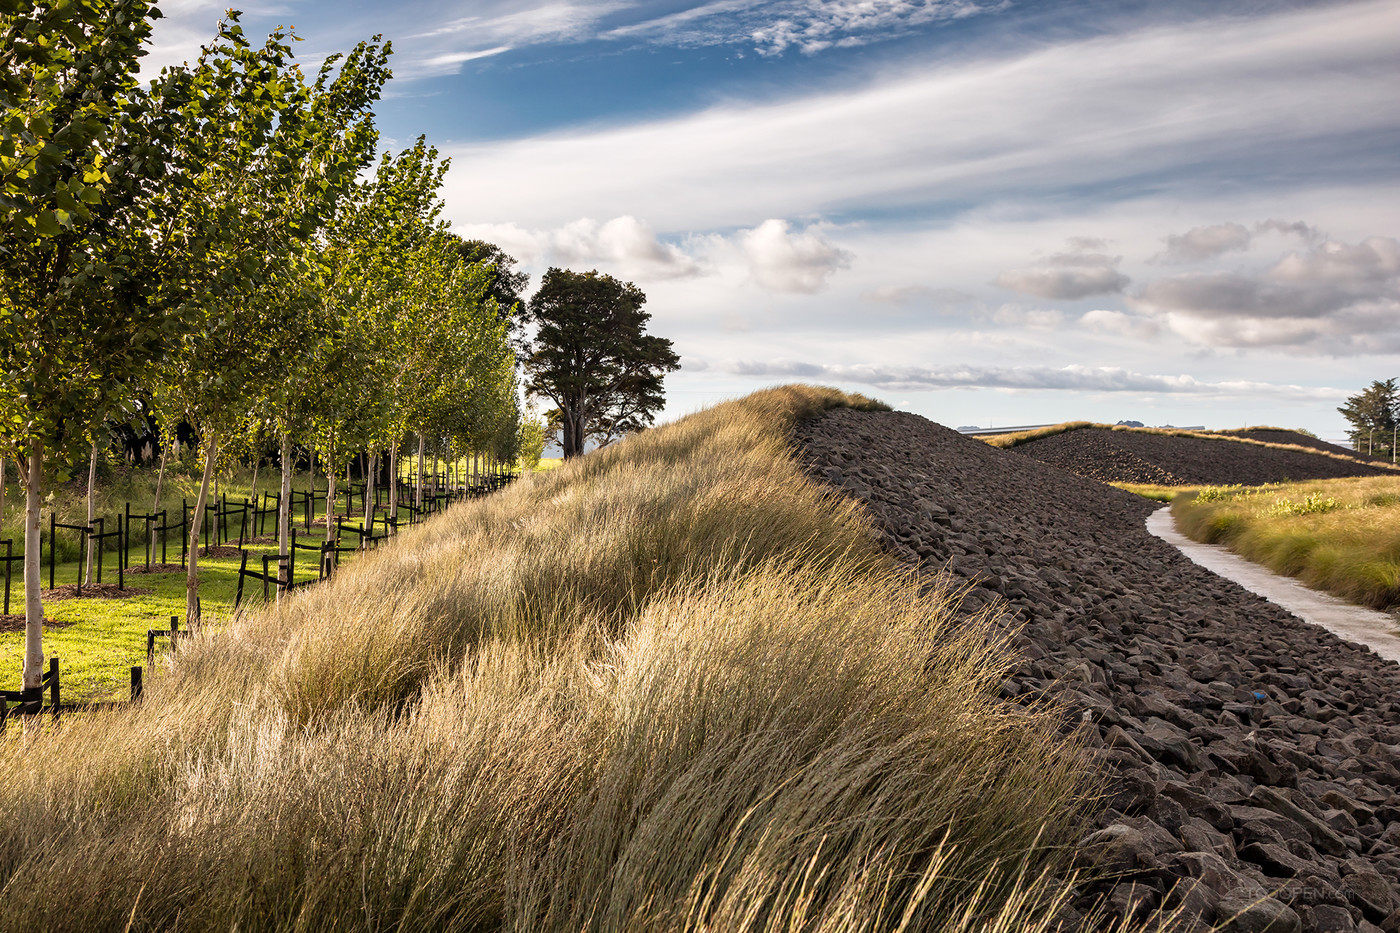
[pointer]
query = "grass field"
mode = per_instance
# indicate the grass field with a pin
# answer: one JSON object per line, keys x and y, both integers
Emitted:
{"x": 1341, "y": 535}
{"x": 673, "y": 685}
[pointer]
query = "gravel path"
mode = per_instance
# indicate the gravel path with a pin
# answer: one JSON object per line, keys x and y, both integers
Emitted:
{"x": 1253, "y": 761}
{"x": 1164, "y": 460}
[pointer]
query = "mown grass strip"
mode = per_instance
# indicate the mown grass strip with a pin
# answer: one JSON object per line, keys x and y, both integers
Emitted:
{"x": 1341, "y": 535}
{"x": 675, "y": 685}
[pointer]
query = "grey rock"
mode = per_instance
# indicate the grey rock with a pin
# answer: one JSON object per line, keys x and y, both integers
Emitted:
{"x": 1245, "y": 914}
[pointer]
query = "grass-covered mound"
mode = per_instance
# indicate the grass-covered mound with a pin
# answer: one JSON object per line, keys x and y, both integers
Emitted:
{"x": 673, "y": 685}
{"x": 1340, "y": 535}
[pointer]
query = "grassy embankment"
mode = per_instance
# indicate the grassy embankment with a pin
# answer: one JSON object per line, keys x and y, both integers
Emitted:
{"x": 1016, "y": 438}
{"x": 673, "y": 685}
{"x": 1339, "y": 535}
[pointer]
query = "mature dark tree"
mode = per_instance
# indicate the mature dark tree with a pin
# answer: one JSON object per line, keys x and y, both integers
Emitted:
{"x": 1373, "y": 414}
{"x": 506, "y": 283}
{"x": 590, "y": 355}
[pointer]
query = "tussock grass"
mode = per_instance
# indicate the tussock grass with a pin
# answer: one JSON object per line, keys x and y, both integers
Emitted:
{"x": 1340, "y": 535}
{"x": 671, "y": 686}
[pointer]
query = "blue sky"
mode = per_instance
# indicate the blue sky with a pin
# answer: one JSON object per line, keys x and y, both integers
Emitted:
{"x": 985, "y": 211}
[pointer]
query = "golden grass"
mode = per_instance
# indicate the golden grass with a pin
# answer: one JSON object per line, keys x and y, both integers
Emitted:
{"x": 671, "y": 686}
{"x": 1157, "y": 493}
{"x": 1340, "y": 535}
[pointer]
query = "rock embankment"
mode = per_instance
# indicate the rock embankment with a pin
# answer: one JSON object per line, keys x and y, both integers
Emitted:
{"x": 1253, "y": 761}
{"x": 1170, "y": 460}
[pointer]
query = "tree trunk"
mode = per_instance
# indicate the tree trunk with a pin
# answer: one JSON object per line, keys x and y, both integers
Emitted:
{"x": 330, "y": 504}
{"x": 311, "y": 486}
{"x": 284, "y": 510}
{"x": 91, "y": 512}
{"x": 2, "y": 498}
{"x": 196, "y": 524}
{"x": 418, "y": 490}
{"x": 160, "y": 482}
{"x": 370, "y": 477}
{"x": 257, "y": 462}
{"x": 33, "y": 479}
{"x": 393, "y": 478}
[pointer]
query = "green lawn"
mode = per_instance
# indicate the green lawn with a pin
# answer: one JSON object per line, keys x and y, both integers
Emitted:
{"x": 98, "y": 641}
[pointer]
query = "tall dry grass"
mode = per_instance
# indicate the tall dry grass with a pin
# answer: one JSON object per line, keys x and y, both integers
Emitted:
{"x": 670, "y": 686}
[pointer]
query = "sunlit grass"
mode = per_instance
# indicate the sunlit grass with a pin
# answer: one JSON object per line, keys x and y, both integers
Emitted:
{"x": 1157, "y": 493}
{"x": 1339, "y": 535}
{"x": 673, "y": 685}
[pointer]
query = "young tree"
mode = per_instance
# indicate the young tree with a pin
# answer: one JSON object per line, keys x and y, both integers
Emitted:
{"x": 590, "y": 354}
{"x": 88, "y": 259}
{"x": 1373, "y": 414}
{"x": 278, "y": 155}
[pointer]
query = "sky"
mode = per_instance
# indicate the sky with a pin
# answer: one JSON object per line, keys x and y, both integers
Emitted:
{"x": 988, "y": 212}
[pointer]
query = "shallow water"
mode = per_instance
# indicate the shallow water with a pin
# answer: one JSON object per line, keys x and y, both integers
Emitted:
{"x": 1357, "y": 624}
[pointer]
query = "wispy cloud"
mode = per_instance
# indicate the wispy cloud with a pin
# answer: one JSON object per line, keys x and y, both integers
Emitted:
{"x": 1067, "y": 378}
{"x": 1078, "y": 116}
{"x": 808, "y": 26}
{"x": 1077, "y": 273}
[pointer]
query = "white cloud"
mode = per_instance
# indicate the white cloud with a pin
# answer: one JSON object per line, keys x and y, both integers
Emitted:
{"x": 1203, "y": 243}
{"x": 1200, "y": 243}
{"x": 782, "y": 260}
{"x": 1332, "y": 298}
{"x": 1071, "y": 275}
{"x": 1107, "y": 321}
{"x": 625, "y": 245}
{"x": 1161, "y": 99}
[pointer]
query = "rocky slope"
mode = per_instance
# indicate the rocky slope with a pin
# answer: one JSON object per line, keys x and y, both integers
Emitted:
{"x": 1166, "y": 460}
{"x": 1252, "y": 760}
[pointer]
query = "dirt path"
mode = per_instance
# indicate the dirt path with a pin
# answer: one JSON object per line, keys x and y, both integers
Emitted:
{"x": 1356, "y": 624}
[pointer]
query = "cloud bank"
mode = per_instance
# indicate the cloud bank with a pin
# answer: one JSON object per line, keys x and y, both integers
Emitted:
{"x": 1066, "y": 378}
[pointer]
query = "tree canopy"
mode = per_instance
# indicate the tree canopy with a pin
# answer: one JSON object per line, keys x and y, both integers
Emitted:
{"x": 590, "y": 355}
{"x": 1373, "y": 414}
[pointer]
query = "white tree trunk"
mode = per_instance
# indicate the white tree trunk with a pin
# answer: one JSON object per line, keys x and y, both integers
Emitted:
{"x": 393, "y": 490}
{"x": 2, "y": 498}
{"x": 368, "y": 523}
{"x": 311, "y": 487}
{"x": 211, "y": 443}
{"x": 91, "y": 512}
{"x": 160, "y": 483}
{"x": 418, "y": 489}
{"x": 33, "y": 479}
{"x": 330, "y": 505}
{"x": 284, "y": 498}
{"x": 284, "y": 511}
